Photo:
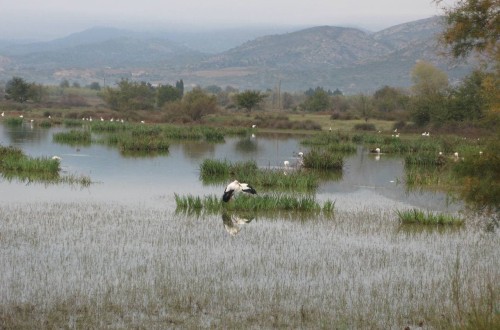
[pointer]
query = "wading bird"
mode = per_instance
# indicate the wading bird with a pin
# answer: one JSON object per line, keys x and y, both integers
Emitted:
{"x": 235, "y": 188}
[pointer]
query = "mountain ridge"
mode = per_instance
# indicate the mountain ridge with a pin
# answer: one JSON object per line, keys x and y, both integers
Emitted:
{"x": 347, "y": 58}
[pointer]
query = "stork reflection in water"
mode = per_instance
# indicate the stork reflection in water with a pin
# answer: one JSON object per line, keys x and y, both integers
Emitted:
{"x": 234, "y": 223}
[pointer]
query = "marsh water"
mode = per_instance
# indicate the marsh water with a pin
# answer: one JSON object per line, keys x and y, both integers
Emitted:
{"x": 151, "y": 180}
{"x": 115, "y": 254}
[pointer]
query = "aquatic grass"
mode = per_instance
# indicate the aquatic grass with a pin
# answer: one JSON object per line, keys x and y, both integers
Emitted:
{"x": 424, "y": 159}
{"x": 45, "y": 124}
{"x": 73, "y": 137}
{"x": 73, "y": 123}
{"x": 416, "y": 216}
{"x": 93, "y": 265}
{"x": 274, "y": 202}
{"x": 14, "y": 164}
{"x": 277, "y": 179}
{"x": 323, "y": 160}
{"x": 223, "y": 168}
{"x": 182, "y": 133}
{"x": 110, "y": 126}
{"x": 13, "y": 121}
{"x": 219, "y": 171}
{"x": 212, "y": 135}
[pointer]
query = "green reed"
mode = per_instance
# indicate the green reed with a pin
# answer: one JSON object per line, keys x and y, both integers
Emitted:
{"x": 110, "y": 126}
{"x": 210, "y": 168}
{"x": 300, "y": 180}
{"x": 14, "y": 160}
{"x": 73, "y": 122}
{"x": 415, "y": 216}
{"x": 73, "y": 137}
{"x": 14, "y": 164}
{"x": 141, "y": 143}
{"x": 219, "y": 171}
{"x": 13, "y": 121}
{"x": 274, "y": 202}
{"x": 323, "y": 160}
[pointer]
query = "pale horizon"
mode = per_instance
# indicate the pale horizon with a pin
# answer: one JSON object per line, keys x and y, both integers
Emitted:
{"x": 53, "y": 19}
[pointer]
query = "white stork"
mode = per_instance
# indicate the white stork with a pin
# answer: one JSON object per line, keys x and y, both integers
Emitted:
{"x": 234, "y": 188}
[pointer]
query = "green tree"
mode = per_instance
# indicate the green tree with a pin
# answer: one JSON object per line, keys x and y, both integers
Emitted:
{"x": 194, "y": 105}
{"x": 130, "y": 96}
{"x": 388, "y": 99}
{"x": 317, "y": 101}
{"x": 430, "y": 85}
{"x": 180, "y": 86}
{"x": 472, "y": 25}
{"x": 364, "y": 106}
{"x": 64, "y": 83}
{"x": 469, "y": 100}
{"x": 95, "y": 86}
{"x": 167, "y": 93}
{"x": 249, "y": 99}
{"x": 17, "y": 89}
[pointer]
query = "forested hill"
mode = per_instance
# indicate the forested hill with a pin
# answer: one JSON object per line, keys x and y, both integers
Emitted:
{"x": 332, "y": 57}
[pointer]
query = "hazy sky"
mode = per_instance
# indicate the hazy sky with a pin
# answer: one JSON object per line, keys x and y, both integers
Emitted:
{"x": 57, "y": 18}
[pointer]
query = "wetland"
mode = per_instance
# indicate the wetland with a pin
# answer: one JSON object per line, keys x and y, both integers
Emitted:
{"x": 128, "y": 250}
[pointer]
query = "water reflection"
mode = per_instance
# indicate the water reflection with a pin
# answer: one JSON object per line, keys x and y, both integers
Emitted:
{"x": 233, "y": 223}
{"x": 364, "y": 181}
{"x": 246, "y": 145}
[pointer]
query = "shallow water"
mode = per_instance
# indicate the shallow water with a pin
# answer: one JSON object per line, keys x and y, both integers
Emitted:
{"x": 366, "y": 180}
{"x": 116, "y": 255}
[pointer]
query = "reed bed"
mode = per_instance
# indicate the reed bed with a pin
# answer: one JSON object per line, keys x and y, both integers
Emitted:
{"x": 14, "y": 164}
{"x": 323, "y": 160}
{"x": 13, "y": 160}
{"x": 100, "y": 265}
{"x": 73, "y": 123}
{"x": 147, "y": 143}
{"x": 110, "y": 126}
{"x": 83, "y": 137}
{"x": 223, "y": 168}
{"x": 416, "y": 216}
{"x": 213, "y": 171}
{"x": 257, "y": 203}
{"x": 13, "y": 121}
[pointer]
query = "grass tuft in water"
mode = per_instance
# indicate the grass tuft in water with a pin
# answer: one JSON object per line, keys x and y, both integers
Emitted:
{"x": 265, "y": 203}
{"x": 73, "y": 137}
{"x": 13, "y": 121}
{"x": 415, "y": 216}
{"x": 14, "y": 164}
{"x": 323, "y": 160}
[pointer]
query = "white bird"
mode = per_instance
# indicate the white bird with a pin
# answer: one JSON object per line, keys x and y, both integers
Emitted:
{"x": 301, "y": 154}
{"x": 440, "y": 153}
{"x": 396, "y": 130}
{"x": 142, "y": 121}
{"x": 377, "y": 150}
{"x": 286, "y": 163}
{"x": 428, "y": 134}
{"x": 253, "y": 126}
{"x": 235, "y": 188}
{"x": 3, "y": 114}
{"x": 56, "y": 158}
{"x": 455, "y": 154}
{"x": 424, "y": 133}
{"x": 480, "y": 153}
{"x": 102, "y": 119}
{"x": 21, "y": 116}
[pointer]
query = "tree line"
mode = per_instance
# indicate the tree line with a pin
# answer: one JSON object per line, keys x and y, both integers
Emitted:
{"x": 472, "y": 26}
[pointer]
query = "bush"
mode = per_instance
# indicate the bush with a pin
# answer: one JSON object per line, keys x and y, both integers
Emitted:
{"x": 364, "y": 127}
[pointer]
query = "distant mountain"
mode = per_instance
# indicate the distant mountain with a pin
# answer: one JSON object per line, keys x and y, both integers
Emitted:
{"x": 332, "y": 57}
{"x": 309, "y": 48}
